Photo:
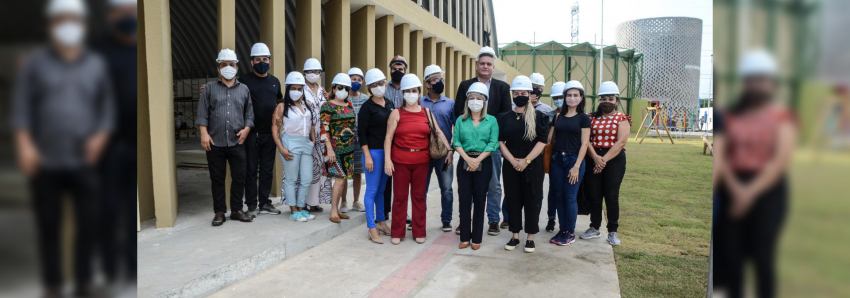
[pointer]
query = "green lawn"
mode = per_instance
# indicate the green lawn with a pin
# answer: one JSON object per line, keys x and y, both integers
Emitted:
{"x": 665, "y": 219}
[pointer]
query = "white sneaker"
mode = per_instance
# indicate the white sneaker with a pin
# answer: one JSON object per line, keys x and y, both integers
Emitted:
{"x": 344, "y": 208}
{"x": 357, "y": 206}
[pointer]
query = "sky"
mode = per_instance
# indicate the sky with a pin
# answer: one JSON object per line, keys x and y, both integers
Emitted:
{"x": 546, "y": 20}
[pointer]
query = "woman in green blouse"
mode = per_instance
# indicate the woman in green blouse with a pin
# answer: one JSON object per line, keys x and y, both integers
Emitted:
{"x": 476, "y": 136}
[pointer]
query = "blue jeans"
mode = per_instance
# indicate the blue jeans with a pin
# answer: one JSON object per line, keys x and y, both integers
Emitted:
{"x": 444, "y": 178}
{"x": 376, "y": 181}
{"x": 494, "y": 193}
{"x": 564, "y": 192}
{"x": 298, "y": 170}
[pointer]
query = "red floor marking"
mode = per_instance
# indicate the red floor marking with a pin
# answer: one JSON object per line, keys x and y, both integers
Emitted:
{"x": 403, "y": 280}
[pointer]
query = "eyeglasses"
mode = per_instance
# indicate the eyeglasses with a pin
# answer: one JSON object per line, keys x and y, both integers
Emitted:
{"x": 341, "y": 87}
{"x": 380, "y": 83}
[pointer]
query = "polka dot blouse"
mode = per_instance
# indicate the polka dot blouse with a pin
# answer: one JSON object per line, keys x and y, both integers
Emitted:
{"x": 603, "y": 130}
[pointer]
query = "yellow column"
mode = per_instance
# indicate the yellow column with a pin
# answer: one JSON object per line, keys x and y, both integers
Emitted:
{"x": 441, "y": 56}
{"x": 362, "y": 37}
{"x": 450, "y": 75}
{"x": 402, "y": 42}
{"x": 384, "y": 43}
{"x": 415, "y": 58}
{"x": 273, "y": 34}
{"x": 429, "y": 51}
{"x": 226, "y": 39}
{"x": 464, "y": 70}
{"x": 156, "y": 109}
{"x": 472, "y": 67}
{"x": 457, "y": 76}
{"x": 308, "y": 42}
{"x": 337, "y": 38}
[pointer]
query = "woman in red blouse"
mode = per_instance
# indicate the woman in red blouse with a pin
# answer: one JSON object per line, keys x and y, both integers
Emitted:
{"x": 406, "y": 158}
{"x": 609, "y": 132}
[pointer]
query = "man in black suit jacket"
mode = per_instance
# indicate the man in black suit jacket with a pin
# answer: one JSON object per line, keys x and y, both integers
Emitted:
{"x": 499, "y": 102}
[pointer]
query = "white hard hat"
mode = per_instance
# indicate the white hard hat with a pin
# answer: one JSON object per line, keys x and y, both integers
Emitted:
{"x": 537, "y": 79}
{"x": 608, "y": 88}
{"x": 521, "y": 83}
{"x": 479, "y": 87}
{"x": 56, "y": 7}
{"x": 757, "y": 62}
{"x": 409, "y": 81}
{"x": 374, "y": 75}
{"x": 342, "y": 79}
{"x": 227, "y": 55}
{"x": 356, "y": 71}
{"x": 260, "y": 49}
{"x": 486, "y": 51}
{"x": 114, "y": 3}
{"x": 295, "y": 78}
{"x": 557, "y": 89}
{"x": 312, "y": 64}
{"x": 432, "y": 69}
{"x": 574, "y": 84}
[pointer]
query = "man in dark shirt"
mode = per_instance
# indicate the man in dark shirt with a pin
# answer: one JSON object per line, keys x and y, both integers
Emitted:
{"x": 225, "y": 118}
{"x": 260, "y": 146}
{"x": 498, "y": 102}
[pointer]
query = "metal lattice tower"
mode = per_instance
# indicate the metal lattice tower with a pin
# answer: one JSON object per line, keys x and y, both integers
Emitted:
{"x": 671, "y": 46}
{"x": 574, "y": 24}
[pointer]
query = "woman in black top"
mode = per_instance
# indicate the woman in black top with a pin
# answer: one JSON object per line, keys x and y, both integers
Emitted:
{"x": 571, "y": 134}
{"x": 522, "y": 136}
{"x": 371, "y": 131}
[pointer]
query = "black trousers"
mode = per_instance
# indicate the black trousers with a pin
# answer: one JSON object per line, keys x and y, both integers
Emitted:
{"x": 260, "y": 150}
{"x": 217, "y": 160}
{"x": 751, "y": 238}
{"x": 49, "y": 188}
{"x": 388, "y": 197}
{"x": 521, "y": 196}
{"x": 475, "y": 186}
{"x": 605, "y": 184}
{"x": 117, "y": 216}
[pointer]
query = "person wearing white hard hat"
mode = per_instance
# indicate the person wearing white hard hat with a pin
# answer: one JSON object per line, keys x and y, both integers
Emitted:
{"x": 357, "y": 99}
{"x": 372, "y": 131}
{"x": 607, "y": 163}
{"x": 315, "y": 96}
{"x": 755, "y": 149}
{"x": 398, "y": 68}
{"x": 260, "y": 146}
{"x": 523, "y": 133}
{"x": 63, "y": 115}
{"x": 538, "y": 82}
{"x": 407, "y": 157}
{"x": 498, "y": 101}
{"x": 292, "y": 128}
{"x": 558, "y": 100}
{"x": 569, "y": 135}
{"x": 337, "y": 132}
{"x": 476, "y": 138}
{"x": 443, "y": 109}
{"x": 225, "y": 118}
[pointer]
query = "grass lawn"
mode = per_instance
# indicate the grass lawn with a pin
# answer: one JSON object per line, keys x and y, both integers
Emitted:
{"x": 665, "y": 219}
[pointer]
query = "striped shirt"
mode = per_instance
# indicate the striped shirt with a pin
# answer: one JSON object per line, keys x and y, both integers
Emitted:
{"x": 225, "y": 111}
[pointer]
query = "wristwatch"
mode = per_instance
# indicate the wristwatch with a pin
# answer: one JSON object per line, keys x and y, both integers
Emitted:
{"x": 527, "y": 161}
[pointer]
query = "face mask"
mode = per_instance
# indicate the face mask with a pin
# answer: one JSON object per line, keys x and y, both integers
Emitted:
{"x": 521, "y": 101}
{"x": 261, "y": 67}
{"x": 69, "y": 33}
{"x": 378, "y": 91}
{"x": 558, "y": 103}
{"x": 312, "y": 78}
{"x": 228, "y": 72}
{"x": 606, "y": 107}
{"x": 341, "y": 94}
{"x": 127, "y": 25}
{"x": 573, "y": 101}
{"x": 411, "y": 98}
{"x": 438, "y": 87}
{"x": 356, "y": 86}
{"x": 536, "y": 92}
{"x": 295, "y": 95}
{"x": 397, "y": 75}
{"x": 475, "y": 105}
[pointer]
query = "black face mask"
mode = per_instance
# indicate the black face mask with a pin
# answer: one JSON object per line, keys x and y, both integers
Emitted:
{"x": 521, "y": 101}
{"x": 438, "y": 87}
{"x": 396, "y": 75}
{"x": 127, "y": 25}
{"x": 606, "y": 107}
{"x": 261, "y": 67}
{"x": 537, "y": 92}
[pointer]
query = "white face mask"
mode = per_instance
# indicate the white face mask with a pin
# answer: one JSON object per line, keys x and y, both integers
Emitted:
{"x": 312, "y": 77}
{"x": 69, "y": 33}
{"x": 295, "y": 95}
{"x": 378, "y": 91}
{"x": 411, "y": 98}
{"x": 228, "y": 72}
{"x": 341, "y": 94}
{"x": 475, "y": 105}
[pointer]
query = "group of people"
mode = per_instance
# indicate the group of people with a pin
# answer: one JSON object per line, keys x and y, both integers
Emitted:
{"x": 404, "y": 130}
